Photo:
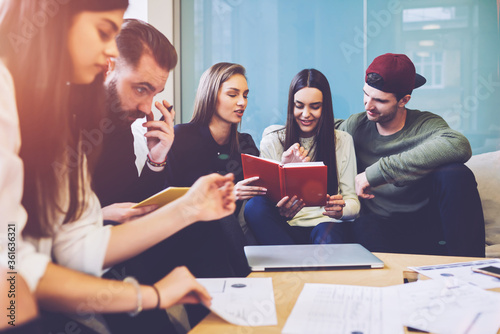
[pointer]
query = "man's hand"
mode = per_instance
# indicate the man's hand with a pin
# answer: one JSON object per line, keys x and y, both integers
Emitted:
{"x": 160, "y": 135}
{"x": 243, "y": 191}
{"x": 295, "y": 153}
{"x": 334, "y": 207}
{"x": 289, "y": 207}
{"x": 123, "y": 212}
{"x": 362, "y": 186}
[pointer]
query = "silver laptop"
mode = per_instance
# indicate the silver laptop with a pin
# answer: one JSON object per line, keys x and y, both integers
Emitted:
{"x": 310, "y": 257}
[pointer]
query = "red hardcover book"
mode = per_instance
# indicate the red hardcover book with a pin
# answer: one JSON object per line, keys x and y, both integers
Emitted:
{"x": 306, "y": 180}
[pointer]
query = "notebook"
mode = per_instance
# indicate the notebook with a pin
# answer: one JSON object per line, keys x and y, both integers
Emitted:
{"x": 163, "y": 197}
{"x": 306, "y": 180}
{"x": 310, "y": 257}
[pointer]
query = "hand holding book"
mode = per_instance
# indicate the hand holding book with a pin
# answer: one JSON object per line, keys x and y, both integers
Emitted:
{"x": 242, "y": 189}
{"x": 289, "y": 207}
{"x": 124, "y": 212}
{"x": 305, "y": 180}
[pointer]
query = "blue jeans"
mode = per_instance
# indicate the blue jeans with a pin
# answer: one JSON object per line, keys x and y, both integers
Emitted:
{"x": 452, "y": 223}
{"x": 270, "y": 228}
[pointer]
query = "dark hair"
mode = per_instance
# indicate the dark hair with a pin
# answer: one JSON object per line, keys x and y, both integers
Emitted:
{"x": 137, "y": 37}
{"x": 34, "y": 44}
{"x": 375, "y": 80}
{"x": 205, "y": 102}
{"x": 324, "y": 143}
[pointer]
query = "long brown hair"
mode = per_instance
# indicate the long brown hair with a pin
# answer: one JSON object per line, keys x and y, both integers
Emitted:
{"x": 205, "y": 103}
{"x": 324, "y": 144}
{"x": 52, "y": 113}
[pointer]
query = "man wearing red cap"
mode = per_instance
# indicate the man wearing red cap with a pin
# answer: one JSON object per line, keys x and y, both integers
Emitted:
{"x": 417, "y": 196}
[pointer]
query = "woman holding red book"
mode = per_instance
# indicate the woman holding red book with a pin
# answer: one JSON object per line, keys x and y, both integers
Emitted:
{"x": 309, "y": 135}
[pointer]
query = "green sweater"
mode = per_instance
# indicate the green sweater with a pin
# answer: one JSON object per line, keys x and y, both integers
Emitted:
{"x": 396, "y": 164}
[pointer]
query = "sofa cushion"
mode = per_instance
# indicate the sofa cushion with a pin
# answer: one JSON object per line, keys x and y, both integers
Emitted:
{"x": 486, "y": 168}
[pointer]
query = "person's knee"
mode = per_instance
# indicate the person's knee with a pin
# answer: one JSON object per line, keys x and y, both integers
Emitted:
{"x": 255, "y": 208}
{"x": 454, "y": 173}
{"x": 320, "y": 234}
{"x": 331, "y": 233}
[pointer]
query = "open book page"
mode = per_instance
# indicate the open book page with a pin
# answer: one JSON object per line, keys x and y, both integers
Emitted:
{"x": 344, "y": 309}
{"x": 293, "y": 164}
{"x": 304, "y": 164}
{"x": 242, "y": 301}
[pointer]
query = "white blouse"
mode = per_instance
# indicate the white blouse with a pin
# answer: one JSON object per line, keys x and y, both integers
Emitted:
{"x": 79, "y": 245}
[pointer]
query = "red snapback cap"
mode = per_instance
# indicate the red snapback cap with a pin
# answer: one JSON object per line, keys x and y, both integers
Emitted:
{"x": 397, "y": 72}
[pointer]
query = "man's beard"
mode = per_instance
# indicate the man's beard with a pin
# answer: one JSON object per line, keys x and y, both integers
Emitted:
{"x": 114, "y": 106}
{"x": 387, "y": 117}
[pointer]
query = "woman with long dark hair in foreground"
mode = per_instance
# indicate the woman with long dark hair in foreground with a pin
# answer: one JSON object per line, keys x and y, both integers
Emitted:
{"x": 53, "y": 54}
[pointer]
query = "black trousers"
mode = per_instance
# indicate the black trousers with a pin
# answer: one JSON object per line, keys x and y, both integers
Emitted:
{"x": 451, "y": 224}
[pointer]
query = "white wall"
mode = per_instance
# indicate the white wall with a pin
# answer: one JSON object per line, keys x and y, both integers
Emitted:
{"x": 160, "y": 14}
{"x": 137, "y": 9}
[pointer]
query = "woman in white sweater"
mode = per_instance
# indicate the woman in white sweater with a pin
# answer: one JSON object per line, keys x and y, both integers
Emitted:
{"x": 52, "y": 58}
{"x": 309, "y": 134}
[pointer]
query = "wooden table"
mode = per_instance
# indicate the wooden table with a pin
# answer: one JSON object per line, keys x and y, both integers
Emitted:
{"x": 288, "y": 285}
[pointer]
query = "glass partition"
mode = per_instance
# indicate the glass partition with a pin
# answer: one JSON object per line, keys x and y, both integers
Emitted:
{"x": 455, "y": 44}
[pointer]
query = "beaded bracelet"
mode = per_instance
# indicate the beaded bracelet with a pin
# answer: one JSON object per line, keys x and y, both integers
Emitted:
{"x": 134, "y": 282}
{"x": 156, "y": 164}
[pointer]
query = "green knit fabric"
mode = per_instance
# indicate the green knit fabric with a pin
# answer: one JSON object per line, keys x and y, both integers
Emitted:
{"x": 396, "y": 164}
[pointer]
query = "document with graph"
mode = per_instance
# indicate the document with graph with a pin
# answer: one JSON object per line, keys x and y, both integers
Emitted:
{"x": 242, "y": 301}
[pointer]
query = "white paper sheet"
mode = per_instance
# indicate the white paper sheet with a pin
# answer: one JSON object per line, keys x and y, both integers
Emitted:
{"x": 462, "y": 271}
{"x": 449, "y": 306}
{"x": 242, "y": 301}
{"x": 344, "y": 309}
